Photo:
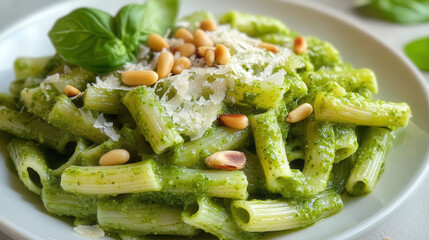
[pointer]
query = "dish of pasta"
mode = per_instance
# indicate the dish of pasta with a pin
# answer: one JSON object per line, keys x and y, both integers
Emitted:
{"x": 148, "y": 122}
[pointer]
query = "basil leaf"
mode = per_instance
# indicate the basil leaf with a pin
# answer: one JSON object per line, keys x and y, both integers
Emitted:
{"x": 128, "y": 22}
{"x": 94, "y": 40}
{"x": 85, "y": 37}
{"x": 403, "y": 11}
{"x": 158, "y": 17}
{"x": 134, "y": 22}
{"x": 418, "y": 52}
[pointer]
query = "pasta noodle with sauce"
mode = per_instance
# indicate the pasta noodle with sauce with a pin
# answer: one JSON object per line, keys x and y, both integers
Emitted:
{"x": 233, "y": 126}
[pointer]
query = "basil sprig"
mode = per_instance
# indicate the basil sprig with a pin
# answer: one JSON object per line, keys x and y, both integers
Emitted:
{"x": 418, "y": 52}
{"x": 403, "y": 11}
{"x": 98, "y": 42}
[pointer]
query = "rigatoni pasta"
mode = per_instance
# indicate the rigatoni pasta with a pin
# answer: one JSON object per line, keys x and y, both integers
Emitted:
{"x": 261, "y": 130}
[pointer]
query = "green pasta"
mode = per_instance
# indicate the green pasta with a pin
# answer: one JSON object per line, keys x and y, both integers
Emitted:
{"x": 346, "y": 142}
{"x": 351, "y": 80}
{"x": 81, "y": 122}
{"x": 29, "y": 67}
{"x": 220, "y": 147}
{"x": 29, "y": 161}
{"x": 271, "y": 151}
{"x": 319, "y": 155}
{"x": 40, "y": 100}
{"x": 275, "y": 215}
{"x": 81, "y": 146}
{"x": 214, "y": 183}
{"x": 254, "y": 173}
{"x": 103, "y": 100}
{"x": 340, "y": 173}
{"x": 354, "y": 109}
{"x": 151, "y": 119}
{"x": 370, "y": 161}
{"x": 218, "y": 139}
{"x": 142, "y": 218}
{"x": 135, "y": 177}
{"x": 26, "y": 126}
{"x": 63, "y": 203}
{"x": 212, "y": 217}
{"x": 260, "y": 94}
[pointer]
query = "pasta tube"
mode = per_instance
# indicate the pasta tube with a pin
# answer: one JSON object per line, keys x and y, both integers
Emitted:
{"x": 370, "y": 161}
{"x": 276, "y": 215}
{"x": 128, "y": 178}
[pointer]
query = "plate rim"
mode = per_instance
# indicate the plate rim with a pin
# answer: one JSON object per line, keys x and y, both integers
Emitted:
{"x": 15, "y": 231}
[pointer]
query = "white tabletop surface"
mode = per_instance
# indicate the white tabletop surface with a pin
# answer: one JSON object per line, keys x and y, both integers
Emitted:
{"x": 411, "y": 220}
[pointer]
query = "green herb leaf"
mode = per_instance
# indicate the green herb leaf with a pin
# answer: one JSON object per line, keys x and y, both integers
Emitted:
{"x": 418, "y": 52}
{"x": 134, "y": 22}
{"x": 403, "y": 11}
{"x": 95, "y": 41}
{"x": 158, "y": 17}
{"x": 128, "y": 22}
{"x": 85, "y": 37}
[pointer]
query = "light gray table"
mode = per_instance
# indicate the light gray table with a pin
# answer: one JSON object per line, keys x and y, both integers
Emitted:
{"x": 411, "y": 220}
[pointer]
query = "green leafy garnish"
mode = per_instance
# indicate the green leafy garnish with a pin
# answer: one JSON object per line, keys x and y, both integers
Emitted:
{"x": 418, "y": 52}
{"x": 158, "y": 17}
{"x": 98, "y": 42}
{"x": 403, "y": 11}
{"x": 128, "y": 23}
{"x": 86, "y": 38}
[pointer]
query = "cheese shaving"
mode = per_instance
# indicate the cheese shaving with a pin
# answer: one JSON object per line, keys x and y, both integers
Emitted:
{"x": 67, "y": 69}
{"x": 174, "y": 42}
{"x": 194, "y": 98}
{"x": 51, "y": 79}
{"x": 106, "y": 127}
{"x": 46, "y": 84}
{"x": 94, "y": 231}
{"x": 111, "y": 81}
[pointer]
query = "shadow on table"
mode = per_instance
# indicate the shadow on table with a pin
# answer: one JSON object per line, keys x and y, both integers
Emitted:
{"x": 369, "y": 12}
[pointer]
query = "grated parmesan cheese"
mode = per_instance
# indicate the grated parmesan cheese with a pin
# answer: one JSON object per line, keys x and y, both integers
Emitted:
{"x": 174, "y": 42}
{"x": 46, "y": 84}
{"x": 67, "y": 69}
{"x": 111, "y": 82}
{"x": 90, "y": 231}
{"x": 194, "y": 98}
{"x": 106, "y": 127}
{"x": 51, "y": 79}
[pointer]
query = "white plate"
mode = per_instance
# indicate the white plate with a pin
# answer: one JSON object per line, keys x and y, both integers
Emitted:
{"x": 22, "y": 214}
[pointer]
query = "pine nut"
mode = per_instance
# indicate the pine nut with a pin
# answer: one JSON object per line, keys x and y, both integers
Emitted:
{"x": 222, "y": 54}
{"x": 208, "y": 25}
{"x": 138, "y": 78}
{"x": 201, "y": 39}
{"x": 300, "y": 45}
{"x": 227, "y": 160}
{"x": 181, "y": 64}
{"x": 202, "y": 50}
{"x": 71, "y": 91}
{"x": 269, "y": 47}
{"x": 114, "y": 157}
{"x": 184, "y": 34}
{"x": 165, "y": 64}
{"x": 157, "y": 43}
{"x": 237, "y": 121}
{"x": 209, "y": 57}
{"x": 185, "y": 50}
{"x": 300, "y": 113}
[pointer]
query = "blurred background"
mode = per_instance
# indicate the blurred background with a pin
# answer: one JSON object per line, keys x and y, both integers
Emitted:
{"x": 411, "y": 219}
